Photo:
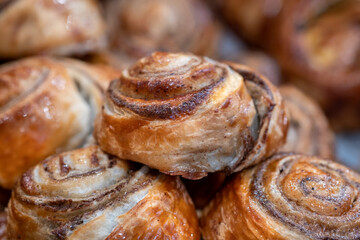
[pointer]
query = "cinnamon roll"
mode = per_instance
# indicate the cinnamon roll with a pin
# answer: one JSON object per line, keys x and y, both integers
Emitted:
{"x": 139, "y": 27}
{"x": 287, "y": 197}
{"x": 309, "y": 132}
{"x": 188, "y": 115}
{"x": 50, "y": 26}
{"x": 317, "y": 43}
{"x": 87, "y": 194}
{"x": 46, "y": 106}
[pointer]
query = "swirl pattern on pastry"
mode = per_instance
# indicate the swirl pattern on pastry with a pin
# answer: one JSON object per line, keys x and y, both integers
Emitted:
{"x": 45, "y": 26}
{"x": 139, "y": 27}
{"x": 309, "y": 131}
{"x": 287, "y": 197}
{"x": 46, "y": 106}
{"x": 188, "y": 115}
{"x": 87, "y": 194}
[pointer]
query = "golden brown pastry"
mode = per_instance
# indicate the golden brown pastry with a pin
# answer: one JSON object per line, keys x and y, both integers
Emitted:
{"x": 87, "y": 194}
{"x": 46, "y": 106}
{"x": 309, "y": 132}
{"x": 317, "y": 43}
{"x": 287, "y": 197}
{"x": 50, "y": 26}
{"x": 139, "y": 27}
{"x": 188, "y": 115}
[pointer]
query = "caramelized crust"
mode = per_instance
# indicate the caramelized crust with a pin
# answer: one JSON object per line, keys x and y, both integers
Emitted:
{"x": 139, "y": 27}
{"x": 46, "y": 106}
{"x": 50, "y": 26}
{"x": 287, "y": 197}
{"x": 309, "y": 132}
{"x": 87, "y": 194}
{"x": 188, "y": 115}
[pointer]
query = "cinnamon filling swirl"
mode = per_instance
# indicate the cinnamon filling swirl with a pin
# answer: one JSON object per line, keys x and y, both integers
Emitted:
{"x": 288, "y": 196}
{"x": 193, "y": 115}
{"x": 88, "y": 194}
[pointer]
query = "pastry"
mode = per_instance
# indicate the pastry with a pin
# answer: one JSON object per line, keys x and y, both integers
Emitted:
{"x": 87, "y": 194}
{"x": 187, "y": 115}
{"x": 249, "y": 18}
{"x": 262, "y": 63}
{"x": 317, "y": 44}
{"x": 46, "y": 106}
{"x": 320, "y": 52}
{"x": 288, "y": 196}
{"x": 309, "y": 131}
{"x": 139, "y": 27}
{"x": 31, "y": 27}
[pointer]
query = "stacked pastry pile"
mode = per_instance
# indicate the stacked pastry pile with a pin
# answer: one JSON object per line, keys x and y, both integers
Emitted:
{"x": 173, "y": 145}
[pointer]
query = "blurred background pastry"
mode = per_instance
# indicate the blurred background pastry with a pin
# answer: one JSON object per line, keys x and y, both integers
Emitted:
{"x": 316, "y": 43}
{"x": 87, "y": 194}
{"x": 71, "y": 27}
{"x": 139, "y": 27}
{"x": 309, "y": 131}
